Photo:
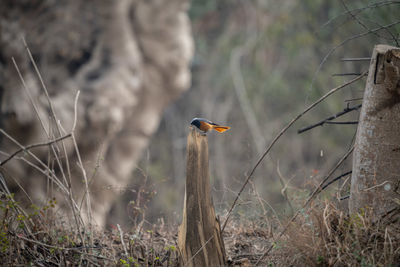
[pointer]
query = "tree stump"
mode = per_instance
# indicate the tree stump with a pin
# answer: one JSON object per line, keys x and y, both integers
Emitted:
{"x": 376, "y": 158}
{"x": 199, "y": 238}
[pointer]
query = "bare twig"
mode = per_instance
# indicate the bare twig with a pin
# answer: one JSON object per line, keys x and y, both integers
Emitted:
{"x": 35, "y": 108}
{"x": 54, "y": 178}
{"x": 284, "y": 187}
{"x": 354, "y": 16}
{"x": 56, "y": 122}
{"x": 356, "y": 59}
{"x": 75, "y": 111}
{"x": 337, "y": 178}
{"x": 361, "y": 9}
{"x": 342, "y": 186}
{"x": 346, "y": 74}
{"x": 308, "y": 201}
{"x": 72, "y": 203}
{"x": 25, "y": 148}
{"x": 5, "y": 187}
{"x": 278, "y": 136}
{"x": 337, "y": 115}
{"x": 342, "y": 122}
{"x": 375, "y": 186}
{"x": 260, "y": 200}
{"x": 347, "y": 40}
{"x": 15, "y": 207}
{"x": 122, "y": 239}
{"x": 198, "y": 251}
{"x": 51, "y": 175}
{"x": 53, "y": 114}
{"x": 77, "y": 249}
{"x": 87, "y": 195}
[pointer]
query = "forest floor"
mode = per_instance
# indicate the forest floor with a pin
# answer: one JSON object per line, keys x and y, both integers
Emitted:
{"x": 322, "y": 236}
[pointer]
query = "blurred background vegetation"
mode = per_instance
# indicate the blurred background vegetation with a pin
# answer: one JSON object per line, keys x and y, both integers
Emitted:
{"x": 257, "y": 64}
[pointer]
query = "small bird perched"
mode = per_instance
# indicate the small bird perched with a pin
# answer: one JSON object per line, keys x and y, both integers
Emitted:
{"x": 206, "y": 125}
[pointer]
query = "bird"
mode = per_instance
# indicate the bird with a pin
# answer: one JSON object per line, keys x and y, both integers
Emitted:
{"x": 205, "y": 125}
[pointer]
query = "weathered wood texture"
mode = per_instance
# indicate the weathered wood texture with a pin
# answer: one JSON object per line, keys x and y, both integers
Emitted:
{"x": 199, "y": 239}
{"x": 376, "y": 158}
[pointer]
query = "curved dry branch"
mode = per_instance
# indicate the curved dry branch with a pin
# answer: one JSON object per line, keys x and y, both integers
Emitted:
{"x": 279, "y": 135}
{"x": 308, "y": 201}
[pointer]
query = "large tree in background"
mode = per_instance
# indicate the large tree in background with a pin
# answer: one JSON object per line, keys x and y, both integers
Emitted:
{"x": 128, "y": 58}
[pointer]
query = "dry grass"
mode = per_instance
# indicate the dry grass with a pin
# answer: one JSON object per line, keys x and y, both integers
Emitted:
{"x": 41, "y": 239}
{"x": 322, "y": 236}
{"x": 327, "y": 236}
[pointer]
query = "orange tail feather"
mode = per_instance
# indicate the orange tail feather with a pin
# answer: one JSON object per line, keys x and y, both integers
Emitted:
{"x": 221, "y": 129}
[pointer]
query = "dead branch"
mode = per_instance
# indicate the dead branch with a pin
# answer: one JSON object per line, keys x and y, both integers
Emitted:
{"x": 284, "y": 187}
{"x": 75, "y": 249}
{"x": 308, "y": 201}
{"x": 342, "y": 122}
{"x": 361, "y": 9}
{"x": 25, "y": 148}
{"x": 337, "y": 115}
{"x": 121, "y": 234}
{"x": 356, "y": 59}
{"x": 354, "y": 16}
{"x": 74, "y": 207}
{"x": 337, "y": 178}
{"x": 347, "y": 40}
{"x": 346, "y": 74}
{"x": 278, "y": 136}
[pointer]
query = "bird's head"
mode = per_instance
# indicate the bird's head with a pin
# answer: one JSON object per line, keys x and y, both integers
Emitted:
{"x": 195, "y": 122}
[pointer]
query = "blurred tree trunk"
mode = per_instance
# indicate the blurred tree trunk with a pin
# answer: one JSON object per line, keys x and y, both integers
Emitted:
{"x": 376, "y": 159}
{"x": 129, "y": 58}
{"x": 199, "y": 239}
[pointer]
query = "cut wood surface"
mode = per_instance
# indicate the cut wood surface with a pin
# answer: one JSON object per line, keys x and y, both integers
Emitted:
{"x": 199, "y": 238}
{"x": 376, "y": 158}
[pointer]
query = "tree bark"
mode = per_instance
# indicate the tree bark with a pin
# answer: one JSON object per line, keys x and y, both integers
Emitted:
{"x": 199, "y": 238}
{"x": 376, "y": 158}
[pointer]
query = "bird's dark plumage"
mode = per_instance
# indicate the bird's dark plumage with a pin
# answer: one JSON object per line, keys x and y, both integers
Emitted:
{"x": 206, "y": 125}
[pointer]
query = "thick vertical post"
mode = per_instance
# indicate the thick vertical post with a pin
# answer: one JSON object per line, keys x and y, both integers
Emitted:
{"x": 199, "y": 238}
{"x": 376, "y": 158}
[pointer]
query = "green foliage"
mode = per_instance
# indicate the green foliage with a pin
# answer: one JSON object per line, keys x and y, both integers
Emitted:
{"x": 4, "y": 242}
{"x": 320, "y": 260}
{"x": 124, "y": 263}
{"x": 171, "y": 248}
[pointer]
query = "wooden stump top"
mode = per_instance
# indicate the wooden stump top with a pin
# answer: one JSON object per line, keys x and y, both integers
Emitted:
{"x": 199, "y": 238}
